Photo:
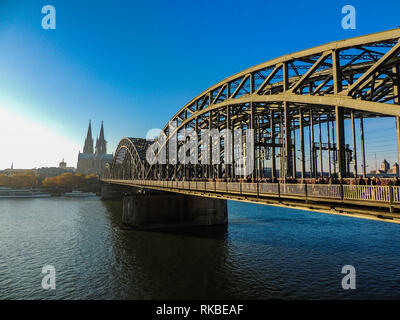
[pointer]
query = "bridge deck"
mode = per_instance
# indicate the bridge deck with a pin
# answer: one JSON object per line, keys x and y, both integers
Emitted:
{"x": 375, "y": 201}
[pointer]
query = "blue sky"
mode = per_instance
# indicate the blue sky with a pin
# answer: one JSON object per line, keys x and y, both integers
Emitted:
{"x": 133, "y": 64}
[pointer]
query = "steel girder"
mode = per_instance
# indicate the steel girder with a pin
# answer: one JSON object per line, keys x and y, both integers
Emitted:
{"x": 325, "y": 83}
{"x": 129, "y": 159}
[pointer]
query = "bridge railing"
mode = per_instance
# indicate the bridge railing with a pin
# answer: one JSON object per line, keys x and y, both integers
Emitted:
{"x": 210, "y": 186}
{"x": 369, "y": 193}
{"x": 293, "y": 189}
{"x": 234, "y": 187}
{"x": 249, "y": 188}
{"x": 324, "y": 191}
{"x": 221, "y": 186}
{"x": 268, "y": 188}
{"x": 396, "y": 194}
{"x": 201, "y": 185}
{"x": 384, "y": 194}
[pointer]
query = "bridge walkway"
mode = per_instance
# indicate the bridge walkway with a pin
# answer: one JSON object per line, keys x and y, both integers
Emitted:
{"x": 376, "y": 201}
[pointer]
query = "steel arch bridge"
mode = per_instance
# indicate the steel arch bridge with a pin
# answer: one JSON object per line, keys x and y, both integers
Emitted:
{"x": 286, "y": 101}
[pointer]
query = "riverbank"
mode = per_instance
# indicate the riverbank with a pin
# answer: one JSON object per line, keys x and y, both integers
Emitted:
{"x": 59, "y": 191}
{"x": 52, "y": 191}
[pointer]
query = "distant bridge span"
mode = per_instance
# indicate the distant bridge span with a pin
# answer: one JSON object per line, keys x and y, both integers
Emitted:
{"x": 296, "y": 105}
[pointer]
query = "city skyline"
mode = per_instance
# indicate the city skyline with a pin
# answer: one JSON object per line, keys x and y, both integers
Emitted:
{"x": 137, "y": 72}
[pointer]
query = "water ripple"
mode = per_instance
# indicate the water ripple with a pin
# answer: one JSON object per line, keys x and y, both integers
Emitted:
{"x": 264, "y": 253}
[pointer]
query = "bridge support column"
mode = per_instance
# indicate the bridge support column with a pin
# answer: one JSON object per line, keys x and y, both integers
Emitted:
{"x": 396, "y": 93}
{"x": 397, "y": 119}
{"x": 273, "y": 141}
{"x": 302, "y": 159}
{"x": 288, "y": 142}
{"x": 321, "y": 160}
{"x": 354, "y": 144}
{"x": 294, "y": 163}
{"x": 334, "y": 149}
{"x": 114, "y": 191}
{"x": 340, "y": 142}
{"x": 156, "y": 210}
{"x": 329, "y": 145}
{"x": 313, "y": 158}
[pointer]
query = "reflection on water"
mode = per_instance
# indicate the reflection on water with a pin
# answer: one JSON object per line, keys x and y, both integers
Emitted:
{"x": 265, "y": 252}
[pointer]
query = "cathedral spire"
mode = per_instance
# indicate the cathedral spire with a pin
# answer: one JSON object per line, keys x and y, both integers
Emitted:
{"x": 97, "y": 146}
{"x": 88, "y": 148}
{"x": 102, "y": 141}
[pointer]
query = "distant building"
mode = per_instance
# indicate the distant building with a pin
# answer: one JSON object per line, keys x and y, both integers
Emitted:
{"x": 90, "y": 162}
{"x": 62, "y": 165}
{"x": 43, "y": 172}
{"x": 384, "y": 166}
{"x": 12, "y": 171}
{"x": 53, "y": 171}
{"x": 395, "y": 169}
{"x": 385, "y": 169}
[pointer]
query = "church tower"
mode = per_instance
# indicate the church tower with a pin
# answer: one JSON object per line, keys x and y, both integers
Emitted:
{"x": 88, "y": 148}
{"x": 97, "y": 147}
{"x": 102, "y": 143}
{"x": 90, "y": 162}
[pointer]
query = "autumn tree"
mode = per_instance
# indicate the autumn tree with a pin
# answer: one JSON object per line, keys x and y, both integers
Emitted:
{"x": 69, "y": 180}
{"x": 19, "y": 180}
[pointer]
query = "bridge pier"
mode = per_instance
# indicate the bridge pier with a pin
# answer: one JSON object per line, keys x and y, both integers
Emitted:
{"x": 114, "y": 191}
{"x": 154, "y": 210}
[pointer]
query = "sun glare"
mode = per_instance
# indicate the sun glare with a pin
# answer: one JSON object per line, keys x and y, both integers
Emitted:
{"x": 28, "y": 144}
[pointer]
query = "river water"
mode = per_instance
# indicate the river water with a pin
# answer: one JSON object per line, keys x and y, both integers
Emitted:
{"x": 264, "y": 253}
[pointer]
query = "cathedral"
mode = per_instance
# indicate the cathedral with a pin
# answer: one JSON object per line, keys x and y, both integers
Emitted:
{"x": 93, "y": 162}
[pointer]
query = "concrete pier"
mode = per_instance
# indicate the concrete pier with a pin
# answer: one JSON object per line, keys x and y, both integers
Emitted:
{"x": 115, "y": 192}
{"x": 155, "y": 210}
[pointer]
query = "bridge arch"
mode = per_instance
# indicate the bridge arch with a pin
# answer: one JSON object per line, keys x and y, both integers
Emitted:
{"x": 128, "y": 161}
{"x": 351, "y": 79}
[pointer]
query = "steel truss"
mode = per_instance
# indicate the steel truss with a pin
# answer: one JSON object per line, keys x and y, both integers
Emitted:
{"x": 314, "y": 90}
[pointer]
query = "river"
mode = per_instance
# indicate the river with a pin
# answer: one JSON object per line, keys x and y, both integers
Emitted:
{"x": 264, "y": 253}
